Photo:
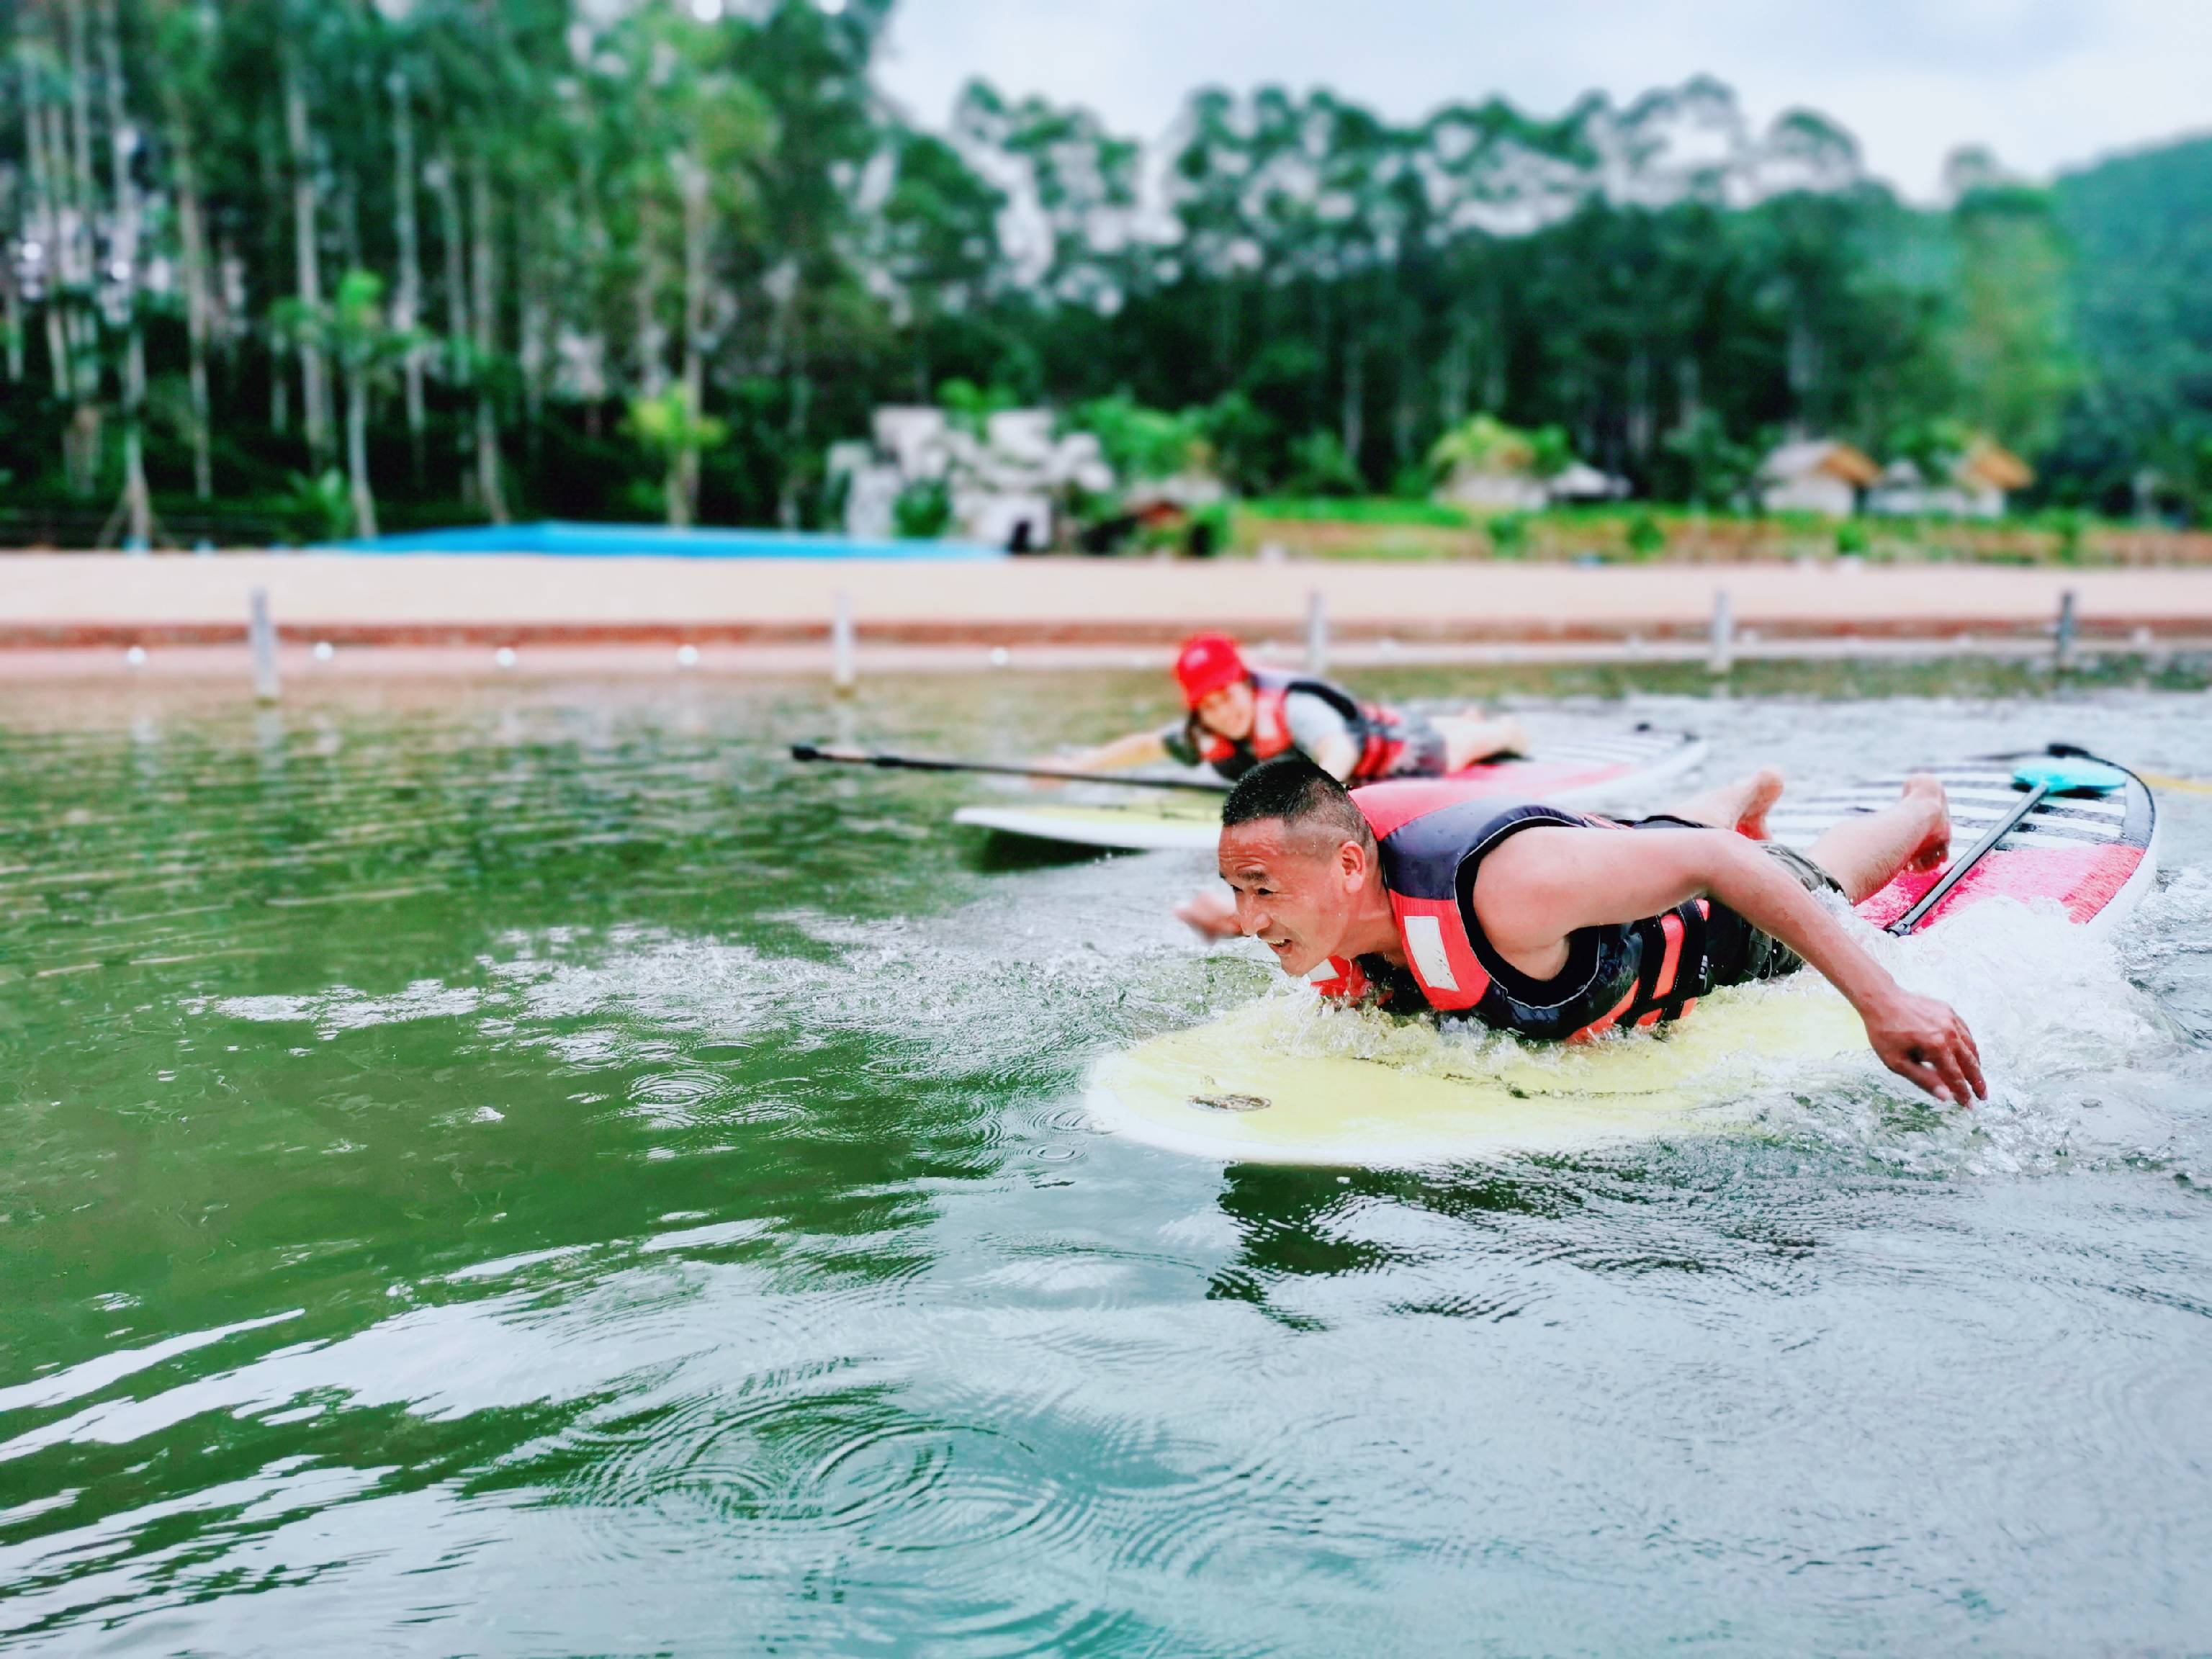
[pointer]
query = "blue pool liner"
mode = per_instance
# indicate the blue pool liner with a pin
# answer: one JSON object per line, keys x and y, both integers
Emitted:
{"x": 656, "y": 541}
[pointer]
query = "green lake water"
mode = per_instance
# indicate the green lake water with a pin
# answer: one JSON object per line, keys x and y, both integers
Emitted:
{"x": 525, "y": 1170}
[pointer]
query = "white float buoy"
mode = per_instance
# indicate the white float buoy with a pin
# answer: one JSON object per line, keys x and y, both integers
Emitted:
{"x": 1001, "y": 656}
{"x": 504, "y": 656}
{"x": 136, "y": 656}
{"x": 324, "y": 650}
{"x": 687, "y": 656}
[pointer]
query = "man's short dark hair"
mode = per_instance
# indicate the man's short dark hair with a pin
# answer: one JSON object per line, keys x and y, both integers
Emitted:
{"x": 1302, "y": 795}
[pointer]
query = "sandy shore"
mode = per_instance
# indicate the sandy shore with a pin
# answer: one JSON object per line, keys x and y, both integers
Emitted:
{"x": 61, "y": 614}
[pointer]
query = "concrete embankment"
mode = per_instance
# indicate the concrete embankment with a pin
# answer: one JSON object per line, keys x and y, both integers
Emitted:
{"x": 55, "y": 609}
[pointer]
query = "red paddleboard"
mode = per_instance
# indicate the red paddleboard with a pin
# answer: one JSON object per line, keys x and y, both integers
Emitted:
{"x": 2094, "y": 855}
{"x": 1578, "y": 761}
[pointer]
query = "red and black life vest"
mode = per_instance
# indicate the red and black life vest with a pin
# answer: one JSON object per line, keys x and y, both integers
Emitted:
{"x": 1374, "y": 728}
{"x": 1433, "y": 840}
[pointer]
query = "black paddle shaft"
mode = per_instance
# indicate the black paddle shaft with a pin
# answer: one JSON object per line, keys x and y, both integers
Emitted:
{"x": 1957, "y": 873}
{"x": 807, "y": 751}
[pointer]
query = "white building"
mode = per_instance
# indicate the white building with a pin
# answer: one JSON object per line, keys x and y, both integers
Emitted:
{"x": 1004, "y": 486}
{"x": 1581, "y": 481}
{"x": 1816, "y": 475}
{"x": 1977, "y": 486}
{"x": 1498, "y": 473}
{"x": 1494, "y": 491}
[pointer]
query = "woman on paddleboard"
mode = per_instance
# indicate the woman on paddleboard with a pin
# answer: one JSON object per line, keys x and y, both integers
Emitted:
{"x": 1241, "y": 716}
{"x": 1553, "y": 924}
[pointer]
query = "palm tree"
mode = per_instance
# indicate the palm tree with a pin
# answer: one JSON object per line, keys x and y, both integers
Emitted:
{"x": 365, "y": 344}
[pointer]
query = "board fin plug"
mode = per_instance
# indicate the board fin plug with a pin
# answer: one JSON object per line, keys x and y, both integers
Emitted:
{"x": 1232, "y": 1102}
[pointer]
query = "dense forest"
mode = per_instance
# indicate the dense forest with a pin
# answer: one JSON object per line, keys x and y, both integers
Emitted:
{"x": 282, "y": 268}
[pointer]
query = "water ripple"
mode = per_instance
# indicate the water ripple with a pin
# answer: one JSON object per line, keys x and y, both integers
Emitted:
{"x": 677, "y": 1168}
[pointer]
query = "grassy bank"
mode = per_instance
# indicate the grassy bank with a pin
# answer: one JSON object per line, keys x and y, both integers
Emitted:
{"x": 1384, "y": 528}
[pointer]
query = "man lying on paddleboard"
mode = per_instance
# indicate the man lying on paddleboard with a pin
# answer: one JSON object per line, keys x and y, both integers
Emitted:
{"x": 1241, "y": 716}
{"x": 1556, "y": 924}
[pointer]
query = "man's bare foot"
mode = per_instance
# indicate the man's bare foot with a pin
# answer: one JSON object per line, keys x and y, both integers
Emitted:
{"x": 1740, "y": 805}
{"x": 1211, "y": 915}
{"x": 1761, "y": 790}
{"x": 1934, "y": 849}
{"x": 1470, "y": 740}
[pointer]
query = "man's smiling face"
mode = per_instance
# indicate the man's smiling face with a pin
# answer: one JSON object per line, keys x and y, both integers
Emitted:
{"x": 1297, "y": 889}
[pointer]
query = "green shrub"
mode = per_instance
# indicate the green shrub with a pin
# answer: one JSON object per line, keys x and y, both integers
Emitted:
{"x": 319, "y": 507}
{"x": 1207, "y": 532}
{"x": 2072, "y": 527}
{"x": 1412, "y": 482}
{"x": 923, "y": 511}
{"x": 1509, "y": 535}
{"x": 970, "y": 407}
{"x": 1141, "y": 443}
{"x": 1357, "y": 510}
{"x": 1319, "y": 466}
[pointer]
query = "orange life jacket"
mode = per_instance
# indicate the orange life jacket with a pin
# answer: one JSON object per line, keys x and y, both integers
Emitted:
{"x": 1379, "y": 730}
{"x": 1433, "y": 841}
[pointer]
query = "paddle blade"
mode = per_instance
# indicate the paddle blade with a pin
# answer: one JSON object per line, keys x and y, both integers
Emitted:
{"x": 2069, "y": 775}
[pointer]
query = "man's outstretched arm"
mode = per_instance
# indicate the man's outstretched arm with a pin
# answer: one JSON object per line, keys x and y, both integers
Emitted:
{"x": 1543, "y": 885}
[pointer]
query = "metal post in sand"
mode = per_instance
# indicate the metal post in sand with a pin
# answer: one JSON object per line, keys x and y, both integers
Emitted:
{"x": 1316, "y": 634}
{"x": 1720, "y": 645}
{"x": 2070, "y": 625}
{"x": 844, "y": 656}
{"x": 261, "y": 637}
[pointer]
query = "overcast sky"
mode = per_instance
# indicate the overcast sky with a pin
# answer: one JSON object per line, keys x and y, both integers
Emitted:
{"x": 2046, "y": 83}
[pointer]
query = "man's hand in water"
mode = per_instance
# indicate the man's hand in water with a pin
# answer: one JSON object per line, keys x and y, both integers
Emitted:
{"x": 1209, "y": 915}
{"x": 1925, "y": 1042}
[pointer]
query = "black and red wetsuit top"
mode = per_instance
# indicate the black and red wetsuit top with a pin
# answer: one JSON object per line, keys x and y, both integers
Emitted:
{"x": 1433, "y": 840}
{"x": 1382, "y": 732}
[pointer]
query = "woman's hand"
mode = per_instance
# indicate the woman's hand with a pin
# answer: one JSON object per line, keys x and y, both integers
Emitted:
{"x": 1137, "y": 748}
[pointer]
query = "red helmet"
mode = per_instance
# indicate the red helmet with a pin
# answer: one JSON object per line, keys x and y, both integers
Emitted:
{"x": 1206, "y": 663}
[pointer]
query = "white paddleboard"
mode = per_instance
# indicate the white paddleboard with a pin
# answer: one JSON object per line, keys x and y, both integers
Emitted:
{"x": 1578, "y": 761}
{"x": 1283, "y": 1082}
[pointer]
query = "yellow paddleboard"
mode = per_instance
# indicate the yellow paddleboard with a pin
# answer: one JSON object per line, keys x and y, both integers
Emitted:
{"x": 1287, "y": 1081}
